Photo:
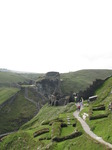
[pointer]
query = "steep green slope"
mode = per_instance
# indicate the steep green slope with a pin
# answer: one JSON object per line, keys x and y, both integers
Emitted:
{"x": 102, "y": 127}
{"x": 32, "y": 76}
{"x": 16, "y": 112}
{"x": 8, "y": 78}
{"x": 50, "y": 118}
{"x": 104, "y": 92}
{"x": 80, "y": 80}
{"x": 13, "y": 115}
{"x": 6, "y": 93}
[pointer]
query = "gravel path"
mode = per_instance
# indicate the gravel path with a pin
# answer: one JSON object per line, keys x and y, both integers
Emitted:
{"x": 89, "y": 132}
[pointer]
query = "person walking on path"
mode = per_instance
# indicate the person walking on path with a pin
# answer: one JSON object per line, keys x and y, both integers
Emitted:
{"x": 78, "y": 106}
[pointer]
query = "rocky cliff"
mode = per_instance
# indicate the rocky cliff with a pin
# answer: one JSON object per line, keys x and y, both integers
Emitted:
{"x": 49, "y": 86}
{"x": 90, "y": 91}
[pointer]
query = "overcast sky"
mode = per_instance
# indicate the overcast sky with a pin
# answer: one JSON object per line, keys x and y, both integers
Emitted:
{"x": 55, "y": 35}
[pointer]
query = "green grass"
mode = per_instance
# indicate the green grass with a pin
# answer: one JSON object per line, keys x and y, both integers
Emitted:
{"x": 24, "y": 141}
{"x": 32, "y": 76}
{"x": 24, "y": 138}
{"x": 85, "y": 110}
{"x": 13, "y": 115}
{"x": 32, "y": 94}
{"x": 56, "y": 129}
{"x": 98, "y": 112}
{"x": 8, "y": 78}
{"x": 6, "y": 93}
{"x": 21, "y": 109}
{"x": 18, "y": 141}
{"x": 67, "y": 130}
{"x": 80, "y": 80}
{"x": 102, "y": 127}
{"x": 104, "y": 92}
{"x": 48, "y": 113}
{"x": 80, "y": 143}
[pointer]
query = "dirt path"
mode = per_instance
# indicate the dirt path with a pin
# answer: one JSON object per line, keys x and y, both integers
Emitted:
{"x": 89, "y": 132}
{"x": 5, "y": 134}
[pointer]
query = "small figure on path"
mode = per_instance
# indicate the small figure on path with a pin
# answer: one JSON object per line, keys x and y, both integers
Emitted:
{"x": 78, "y": 107}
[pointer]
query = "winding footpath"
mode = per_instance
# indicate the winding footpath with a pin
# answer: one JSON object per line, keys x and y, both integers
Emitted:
{"x": 89, "y": 132}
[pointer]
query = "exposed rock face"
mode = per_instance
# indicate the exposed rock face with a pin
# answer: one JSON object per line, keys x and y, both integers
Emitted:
{"x": 49, "y": 85}
{"x": 32, "y": 95}
{"x": 91, "y": 89}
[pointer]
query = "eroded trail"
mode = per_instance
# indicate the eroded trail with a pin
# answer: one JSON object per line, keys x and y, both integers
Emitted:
{"x": 89, "y": 132}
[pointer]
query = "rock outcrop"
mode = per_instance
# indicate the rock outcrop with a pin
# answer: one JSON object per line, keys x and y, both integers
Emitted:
{"x": 49, "y": 87}
{"x": 91, "y": 89}
{"x": 49, "y": 84}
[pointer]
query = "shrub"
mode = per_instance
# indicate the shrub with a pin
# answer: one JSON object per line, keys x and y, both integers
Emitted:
{"x": 42, "y": 131}
{"x": 98, "y": 116}
{"x": 44, "y": 138}
{"x": 63, "y": 125}
{"x": 98, "y": 107}
{"x": 71, "y": 136}
{"x": 74, "y": 125}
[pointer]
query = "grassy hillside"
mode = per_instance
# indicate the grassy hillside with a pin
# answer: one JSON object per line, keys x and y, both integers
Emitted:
{"x": 50, "y": 118}
{"x": 6, "y": 93}
{"x": 80, "y": 80}
{"x": 102, "y": 127}
{"x": 15, "y": 113}
{"x": 73, "y": 81}
{"x": 8, "y": 78}
{"x": 32, "y": 76}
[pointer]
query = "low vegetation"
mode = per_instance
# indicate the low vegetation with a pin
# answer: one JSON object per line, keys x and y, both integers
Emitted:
{"x": 63, "y": 131}
{"x": 18, "y": 141}
{"x": 42, "y": 131}
{"x": 54, "y": 128}
{"x": 100, "y": 115}
{"x": 14, "y": 79}
{"x": 6, "y": 93}
{"x": 80, "y": 80}
{"x": 8, "y": 79}
{"x": 16, "y": 113}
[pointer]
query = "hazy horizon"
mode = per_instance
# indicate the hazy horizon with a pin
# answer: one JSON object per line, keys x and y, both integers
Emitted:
{"x": 19, "y": 71}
